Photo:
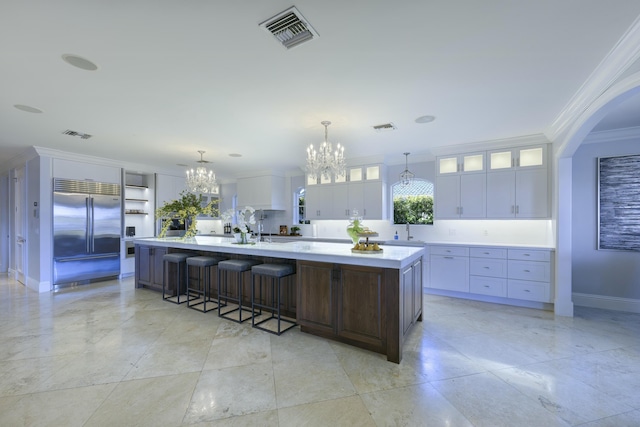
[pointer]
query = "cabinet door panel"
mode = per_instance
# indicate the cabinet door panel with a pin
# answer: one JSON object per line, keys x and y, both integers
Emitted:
{"x": 360, "y": 311}
{"x": 447, "y": 199}
{"x": 374, "y": 200}
{"x": 340, "y": 201}
{"x": 417, "y": 290}
{"x": 532, "y": 193}
{"x": 407, "y": 299}
{"x": 315, "y": 295}
{"x": 473, "y": 200}
{"x": 501, "y": 197}
{"x": 450, "y": 273}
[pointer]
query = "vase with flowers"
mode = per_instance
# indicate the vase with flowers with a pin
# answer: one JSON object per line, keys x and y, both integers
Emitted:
{"x": 185, "y": 209}
{"x": 242, "y": 220}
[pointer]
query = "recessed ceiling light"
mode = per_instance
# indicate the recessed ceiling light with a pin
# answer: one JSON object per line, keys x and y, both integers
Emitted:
{"x": 425, "y": 119}
{"x": 27, "y": 109}
{"x": 78, "y": 61}
{"x": 235, "y": 155}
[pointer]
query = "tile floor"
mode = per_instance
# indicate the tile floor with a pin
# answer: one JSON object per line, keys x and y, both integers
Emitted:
{"x": 111, "y": 355}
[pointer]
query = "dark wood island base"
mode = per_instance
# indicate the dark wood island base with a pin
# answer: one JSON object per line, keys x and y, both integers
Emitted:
{"x": 366, "y": 306}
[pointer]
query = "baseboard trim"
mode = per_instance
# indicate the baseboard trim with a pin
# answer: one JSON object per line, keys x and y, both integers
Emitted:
{"x": 486, "y": 298}
{"x": 606, "y": 302}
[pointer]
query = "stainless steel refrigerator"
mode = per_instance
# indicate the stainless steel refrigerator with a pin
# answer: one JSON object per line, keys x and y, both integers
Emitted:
{"x": 86, "y": 231}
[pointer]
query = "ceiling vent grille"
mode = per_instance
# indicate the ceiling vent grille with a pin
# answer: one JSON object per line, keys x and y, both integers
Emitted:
{"x": 290, "y": 28}
{"x": 384, "y": 127}
{"x": 76, "y": 134}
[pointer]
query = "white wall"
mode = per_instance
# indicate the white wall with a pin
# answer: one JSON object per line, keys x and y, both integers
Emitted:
{"x": 614, "y": 274}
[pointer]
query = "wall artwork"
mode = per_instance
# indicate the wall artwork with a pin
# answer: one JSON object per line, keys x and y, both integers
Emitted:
{"x": 619, "y": 203}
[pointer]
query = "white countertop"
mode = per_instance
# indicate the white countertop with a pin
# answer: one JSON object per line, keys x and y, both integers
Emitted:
{"x": 391, "y": 257}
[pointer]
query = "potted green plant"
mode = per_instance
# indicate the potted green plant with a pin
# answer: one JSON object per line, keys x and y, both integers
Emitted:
{"x": 295, "y": 230}
{"x": 186, "y": 208}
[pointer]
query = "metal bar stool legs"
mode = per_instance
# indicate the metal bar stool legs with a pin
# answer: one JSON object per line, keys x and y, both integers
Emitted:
{"x": 181, "y": 279}
{"x": 238, "y": 266}
{"x": 201, "y": 295}
{"x": 274, "y": 273}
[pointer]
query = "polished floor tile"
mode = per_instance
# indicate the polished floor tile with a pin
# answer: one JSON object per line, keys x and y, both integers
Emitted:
{"x": 109, "y": 354}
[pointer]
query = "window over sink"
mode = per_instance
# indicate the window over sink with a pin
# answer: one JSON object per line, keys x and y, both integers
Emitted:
{"x": 413, "y": 203}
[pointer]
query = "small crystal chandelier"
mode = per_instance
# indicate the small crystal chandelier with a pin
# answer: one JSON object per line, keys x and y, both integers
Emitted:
{"x": 202, "y": 180}
{"x": 406, "y": 177}
{"x": 326, "y": 161}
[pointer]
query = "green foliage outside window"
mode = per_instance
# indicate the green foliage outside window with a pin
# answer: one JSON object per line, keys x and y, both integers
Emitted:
{"x": 413, "y": 210}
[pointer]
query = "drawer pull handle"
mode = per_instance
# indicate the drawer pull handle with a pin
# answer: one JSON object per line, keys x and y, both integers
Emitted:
{"x": 526, "y": 254}
{"x": 527, "y": 271}
{"x": 448, "y": 257}
{"x": 527, "y": 290}
{"x": 485, "y": 253}
{"x": 487, "y": 286}
{"x": 486, "y": 268}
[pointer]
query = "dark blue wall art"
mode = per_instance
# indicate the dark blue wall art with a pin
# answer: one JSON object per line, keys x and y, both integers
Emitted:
{"x": 619, "y": 203}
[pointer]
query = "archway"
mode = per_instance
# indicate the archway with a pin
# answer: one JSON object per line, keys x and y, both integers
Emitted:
{"x": 566, "y": 148}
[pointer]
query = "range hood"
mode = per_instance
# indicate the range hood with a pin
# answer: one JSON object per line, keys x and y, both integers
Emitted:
{"x": 263, "y": 192}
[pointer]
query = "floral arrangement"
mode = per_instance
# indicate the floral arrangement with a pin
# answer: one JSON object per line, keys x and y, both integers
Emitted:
{"x": 188, "y": 206}
{"x": 244, "y": 218}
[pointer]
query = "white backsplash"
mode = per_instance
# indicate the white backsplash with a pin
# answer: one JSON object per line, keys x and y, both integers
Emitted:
{"x": 518, "y": 232}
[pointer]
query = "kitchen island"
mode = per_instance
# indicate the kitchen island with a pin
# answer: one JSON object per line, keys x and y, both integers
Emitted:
{"x": 368, "y": 300}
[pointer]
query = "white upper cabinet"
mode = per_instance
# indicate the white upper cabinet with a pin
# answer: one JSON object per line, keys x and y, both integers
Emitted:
{"x": 460, "y": 196}
{"x": 518, "y": 183}
{"x": 505, "y": 183}
{"x": 518, "y": 158}
{"x": 463, "y": 163}
{"x": 364, "y": 191}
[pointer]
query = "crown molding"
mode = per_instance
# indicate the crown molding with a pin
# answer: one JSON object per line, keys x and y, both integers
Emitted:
{"x": 614, "y": 135}
{"x": 622, "y": 56}
{"x": 495, "y": 144}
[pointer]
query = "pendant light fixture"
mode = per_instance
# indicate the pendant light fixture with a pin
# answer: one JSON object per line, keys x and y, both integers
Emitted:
{"x": 406, "y": 177}
{"x": 202, "y": 180}
{"x": 325, "y": 161}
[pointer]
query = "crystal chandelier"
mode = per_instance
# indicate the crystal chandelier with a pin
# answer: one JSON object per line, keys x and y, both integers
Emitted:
{"x": 326, "y": 161}
{"x": 202, "y": 180}
{"x": 406, "y": 177}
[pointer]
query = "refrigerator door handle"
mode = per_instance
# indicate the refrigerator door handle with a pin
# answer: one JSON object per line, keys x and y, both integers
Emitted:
{"x": 88, "y": 224}
{"x": 91, "y": 224}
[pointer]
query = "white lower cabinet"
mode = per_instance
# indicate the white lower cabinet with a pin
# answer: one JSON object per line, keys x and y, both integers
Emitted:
{"x": 450, "y": 268}
{"x": 504, "y": 272}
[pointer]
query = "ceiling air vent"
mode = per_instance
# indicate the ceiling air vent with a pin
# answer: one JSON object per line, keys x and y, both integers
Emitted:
{"x": 76, "y": 134}
{"x": 385, "y": 127}
{"x": 290, "y": 28}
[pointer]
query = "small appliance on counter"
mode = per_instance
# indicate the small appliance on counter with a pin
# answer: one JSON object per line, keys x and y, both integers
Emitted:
{"x": 130, "y": 231}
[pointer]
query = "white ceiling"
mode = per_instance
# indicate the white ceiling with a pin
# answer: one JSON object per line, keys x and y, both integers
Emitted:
{"x": 175, "y": 77}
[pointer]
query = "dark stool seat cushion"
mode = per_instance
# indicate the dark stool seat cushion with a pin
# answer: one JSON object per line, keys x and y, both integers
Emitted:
{"x": 237, "y": 264}
{"x": 203, "y": 261}
{"x": 176, "y": 257}
{"x": 273, "y": 270}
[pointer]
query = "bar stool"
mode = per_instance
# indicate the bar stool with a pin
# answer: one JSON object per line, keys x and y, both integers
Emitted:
{"x": 237, "y": 266}
{"x": 179, "y": 259}
{"x": 274, "y": 272}
{"x": 201, "y": 294}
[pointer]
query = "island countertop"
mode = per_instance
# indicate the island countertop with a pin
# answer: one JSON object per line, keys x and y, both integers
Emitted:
{"x": 395, "y": 257}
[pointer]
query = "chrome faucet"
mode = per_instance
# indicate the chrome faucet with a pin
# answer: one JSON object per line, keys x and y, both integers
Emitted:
{"x": 409, "y": 236}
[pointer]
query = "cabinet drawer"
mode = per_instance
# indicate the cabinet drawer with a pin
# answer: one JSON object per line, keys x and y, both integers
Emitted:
{"x": 488, "y": 267}
{"x": 488, "y": 252}
{"x": 531, "y": 291}
{"x": 529, "y": 270}
{"x": 529, "y": 255}
{"x": 450, "y": 250}
{"x": 491, "y": 286}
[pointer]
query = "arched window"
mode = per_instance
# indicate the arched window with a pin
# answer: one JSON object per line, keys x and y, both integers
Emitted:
{"x": 413, "y": 203}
